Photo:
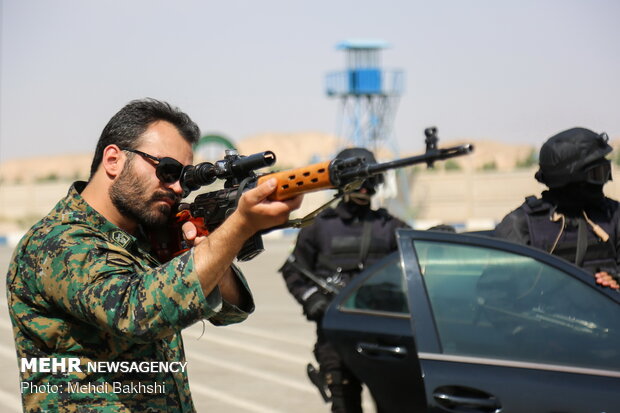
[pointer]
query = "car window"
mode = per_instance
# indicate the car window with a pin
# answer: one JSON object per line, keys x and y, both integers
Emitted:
{"x": 381, "y": 291}
{"x": 493, "y": 303}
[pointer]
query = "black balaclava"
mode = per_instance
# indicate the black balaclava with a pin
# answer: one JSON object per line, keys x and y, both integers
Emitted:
{"x": 575, "y": 197}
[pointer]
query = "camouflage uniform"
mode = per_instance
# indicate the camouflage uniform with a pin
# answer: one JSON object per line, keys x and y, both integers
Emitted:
{"x": 78, "y": 286}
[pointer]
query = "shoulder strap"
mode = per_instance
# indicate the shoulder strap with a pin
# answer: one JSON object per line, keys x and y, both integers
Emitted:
{"x": 582, "y": 242}
{"x": 538, "y": 213}
{"x": 365, "y": 244}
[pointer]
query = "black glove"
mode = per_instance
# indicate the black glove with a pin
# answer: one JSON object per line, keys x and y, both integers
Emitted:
{"x": 315, "y": 306}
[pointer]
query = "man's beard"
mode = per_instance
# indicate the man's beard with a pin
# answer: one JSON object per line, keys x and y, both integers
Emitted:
{"x": 129, "y": 197}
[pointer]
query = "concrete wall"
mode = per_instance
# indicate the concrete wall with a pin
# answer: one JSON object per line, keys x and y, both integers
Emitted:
{"x": 475, "y": 199}
{"x": 26, "y": 201}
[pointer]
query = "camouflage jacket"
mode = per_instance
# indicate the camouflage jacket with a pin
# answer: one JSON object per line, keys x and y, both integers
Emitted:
{"x": 80, "y": 287}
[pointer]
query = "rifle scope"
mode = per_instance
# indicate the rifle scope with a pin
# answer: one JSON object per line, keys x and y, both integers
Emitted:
{"x": 232, "y": 168}
{"x": 240, "y": 167}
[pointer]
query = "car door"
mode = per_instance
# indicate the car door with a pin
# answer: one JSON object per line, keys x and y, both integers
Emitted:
{"x": 489, "y": 325}
{"x": 369, "y": 323}
{"x": 504, "y": 327}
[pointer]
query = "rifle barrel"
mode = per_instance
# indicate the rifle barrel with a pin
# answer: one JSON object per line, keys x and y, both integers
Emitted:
{"x": 432, "y": 155}
{"x": 318, "y": 176}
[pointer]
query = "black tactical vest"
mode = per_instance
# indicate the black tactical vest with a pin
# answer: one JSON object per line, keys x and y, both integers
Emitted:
{"x": 545, "y": 232}
{"x": 349, "y": 245}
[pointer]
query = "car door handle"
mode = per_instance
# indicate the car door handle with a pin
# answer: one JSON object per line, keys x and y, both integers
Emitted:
{"x": 450, "y": 401}
{"x": 374, "y": 350}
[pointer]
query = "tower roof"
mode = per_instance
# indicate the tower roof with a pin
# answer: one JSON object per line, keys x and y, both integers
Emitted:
{"x": 360, "y": 44}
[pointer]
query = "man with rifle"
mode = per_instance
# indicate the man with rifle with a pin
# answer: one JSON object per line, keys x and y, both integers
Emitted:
{"x": 83, "y": 285}
{"x": 339, "y": 244}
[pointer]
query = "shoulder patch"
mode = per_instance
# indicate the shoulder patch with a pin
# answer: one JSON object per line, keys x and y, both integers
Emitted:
{"x": 121, "y": 238}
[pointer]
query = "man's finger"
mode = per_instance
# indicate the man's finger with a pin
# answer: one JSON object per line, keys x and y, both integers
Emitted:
{"x": 262, "y": 191}
{"x": 294, "y": 203}
{"x": 189, "y": 231}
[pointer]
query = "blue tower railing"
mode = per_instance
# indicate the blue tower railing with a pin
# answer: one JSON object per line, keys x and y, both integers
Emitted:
{"x": 359, "y": 82}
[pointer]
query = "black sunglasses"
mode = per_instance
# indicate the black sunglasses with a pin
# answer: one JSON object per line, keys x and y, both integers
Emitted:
{"x": 168, "y": 170}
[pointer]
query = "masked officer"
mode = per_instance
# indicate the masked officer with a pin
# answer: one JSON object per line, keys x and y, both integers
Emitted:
{"x": 573, "y": 218}
{"x": 337, "y": 246}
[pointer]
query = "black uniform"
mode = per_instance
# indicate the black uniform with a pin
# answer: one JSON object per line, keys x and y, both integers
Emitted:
{"x": 573, "y": 219}
{"x": 552, "y": 224}
{"x": 337, "y": 246}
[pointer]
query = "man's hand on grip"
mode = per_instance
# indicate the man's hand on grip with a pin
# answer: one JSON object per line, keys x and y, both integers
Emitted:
{"x": 258, "y": 212}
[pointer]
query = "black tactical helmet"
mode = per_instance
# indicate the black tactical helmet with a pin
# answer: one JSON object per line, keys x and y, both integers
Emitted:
{"x": 371, "y": 183}
{"x": 575, "y": 155}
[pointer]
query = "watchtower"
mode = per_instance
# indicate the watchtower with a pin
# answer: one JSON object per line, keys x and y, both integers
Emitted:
{"x": 368, "y": 94}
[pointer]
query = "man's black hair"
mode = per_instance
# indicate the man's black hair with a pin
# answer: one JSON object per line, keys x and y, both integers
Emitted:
{"x": 128, "y": 124}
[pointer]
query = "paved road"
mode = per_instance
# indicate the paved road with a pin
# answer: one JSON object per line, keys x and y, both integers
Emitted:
{"x": 257, "y": 366}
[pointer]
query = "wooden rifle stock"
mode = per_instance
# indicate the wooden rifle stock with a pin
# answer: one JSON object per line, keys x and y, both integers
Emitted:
{"x": 297, "y": 181}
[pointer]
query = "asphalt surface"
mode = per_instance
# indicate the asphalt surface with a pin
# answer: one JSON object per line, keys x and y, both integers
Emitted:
{"x": 256, "y": 366}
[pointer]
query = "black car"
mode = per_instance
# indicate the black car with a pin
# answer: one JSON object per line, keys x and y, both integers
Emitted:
{"x": 467, "y": 323}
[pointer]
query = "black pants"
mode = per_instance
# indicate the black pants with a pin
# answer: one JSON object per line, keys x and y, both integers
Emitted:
{"x": 345, "y": 388}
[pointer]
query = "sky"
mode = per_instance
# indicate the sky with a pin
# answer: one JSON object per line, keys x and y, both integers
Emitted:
{"x": 515, "y": 71}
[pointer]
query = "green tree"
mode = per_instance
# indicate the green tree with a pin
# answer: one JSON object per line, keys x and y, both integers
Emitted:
{"x": 51, "y": 177}
{"x": 489, "y": 166}
{"x": 452, "y": 165}
{"x": 529, "y": 161}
